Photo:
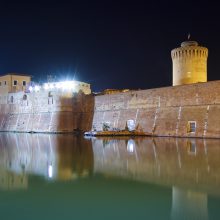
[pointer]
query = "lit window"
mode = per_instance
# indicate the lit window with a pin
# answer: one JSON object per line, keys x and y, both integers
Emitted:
{"x": 24, "y": 83}
{"x": 15, "y": 82}
{"x": 191, "y": 127}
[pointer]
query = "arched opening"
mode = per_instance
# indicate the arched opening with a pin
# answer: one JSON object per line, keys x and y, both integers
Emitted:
{"x": 24, "y": 97}
{"x": 50, "y": 98}
{"x": 50, "y": 94}
{"x": 25, "y": 101}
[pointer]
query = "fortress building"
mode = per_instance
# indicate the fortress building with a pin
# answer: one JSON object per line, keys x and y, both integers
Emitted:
{"x": 189, "y": 63}
{"x": 189, "y": 108}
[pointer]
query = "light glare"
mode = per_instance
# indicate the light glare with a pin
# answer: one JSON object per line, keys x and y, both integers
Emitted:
{"x": 65, "y": 85}
{"x": 37, "y": 88}
{"x": 46, "y": 86}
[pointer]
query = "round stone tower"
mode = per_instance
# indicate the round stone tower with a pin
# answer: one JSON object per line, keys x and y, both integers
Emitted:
{"x": 189, "y": 63}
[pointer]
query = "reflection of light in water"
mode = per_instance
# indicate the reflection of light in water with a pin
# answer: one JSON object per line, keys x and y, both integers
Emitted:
{"x": 130, "y": 146}
{"x": 50, "y": 171}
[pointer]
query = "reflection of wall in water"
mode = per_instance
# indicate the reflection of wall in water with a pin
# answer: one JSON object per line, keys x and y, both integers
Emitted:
{"x": 51, "y": 156}
{"x": 10, "y": 180}
{"x": 23, "y": 153}
{"x": 75, "y": 158}
{"x": 168, "y": 161}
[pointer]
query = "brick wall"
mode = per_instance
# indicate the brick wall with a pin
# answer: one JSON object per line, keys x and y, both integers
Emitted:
{"x": 160, "y": 112}
{"x": 41, "y": 113}
{"x": 164, "y": 111}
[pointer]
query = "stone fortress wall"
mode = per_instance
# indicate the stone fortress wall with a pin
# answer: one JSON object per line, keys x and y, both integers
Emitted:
{"x": 163, "y": 111}
{"x": 159, "y": 112}
{"x": 44, "y": 111}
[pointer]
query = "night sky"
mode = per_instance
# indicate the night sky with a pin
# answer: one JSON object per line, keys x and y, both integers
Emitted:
{"x": 110, "y": 44}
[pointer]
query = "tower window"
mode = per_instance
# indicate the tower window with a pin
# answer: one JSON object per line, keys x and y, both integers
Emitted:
{"x": 24, "y": 83}
{"x": 15, "y": 83}
{"x": 5, "y": 83}
{"x": 191, "y": 128}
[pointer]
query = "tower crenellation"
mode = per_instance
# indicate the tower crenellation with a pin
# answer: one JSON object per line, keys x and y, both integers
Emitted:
{"x": 189, "y": 63}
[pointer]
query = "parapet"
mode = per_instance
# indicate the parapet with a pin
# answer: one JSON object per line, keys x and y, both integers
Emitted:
{"x": 189, "y": 49}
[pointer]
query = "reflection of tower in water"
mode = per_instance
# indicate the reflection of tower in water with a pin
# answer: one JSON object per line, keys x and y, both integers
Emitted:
{"x": 188, "y": 205}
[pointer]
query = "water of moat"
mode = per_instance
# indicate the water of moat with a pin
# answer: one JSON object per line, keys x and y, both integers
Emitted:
{"x": 46, "y": 176}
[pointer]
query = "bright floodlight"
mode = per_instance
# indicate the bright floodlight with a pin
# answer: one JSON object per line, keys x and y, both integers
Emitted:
{"x": 68, "y": 85}
{"x": 46, "y": 86}
{"x": 58, "y": 85}
{"x": 37, "y": 88}
{"x": 31, "y": 88}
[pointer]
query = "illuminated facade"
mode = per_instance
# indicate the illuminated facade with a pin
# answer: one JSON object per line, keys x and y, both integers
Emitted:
{"x": 189, "y": 63}
{"x": 13, "y": 82}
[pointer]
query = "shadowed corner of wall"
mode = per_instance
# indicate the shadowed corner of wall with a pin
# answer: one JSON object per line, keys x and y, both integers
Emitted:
{"x": 76, "y": 113}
